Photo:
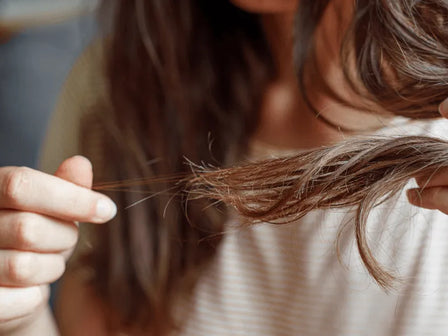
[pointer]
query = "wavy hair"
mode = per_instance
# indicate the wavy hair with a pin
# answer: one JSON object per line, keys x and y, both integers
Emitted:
{"x": 185, "y": 79}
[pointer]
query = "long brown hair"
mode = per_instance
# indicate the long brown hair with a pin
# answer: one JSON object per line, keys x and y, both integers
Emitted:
{"x": 186, "y": 80}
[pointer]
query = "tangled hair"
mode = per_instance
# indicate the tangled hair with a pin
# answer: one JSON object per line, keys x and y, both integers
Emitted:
{"x": 358, "y": 173}
{"x": 171, "y": 96}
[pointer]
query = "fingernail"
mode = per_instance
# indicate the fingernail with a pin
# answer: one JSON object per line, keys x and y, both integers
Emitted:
{"x": 413, "y": 196}
{"x": 443, "y": 108}
{"x": 105, "y": 209}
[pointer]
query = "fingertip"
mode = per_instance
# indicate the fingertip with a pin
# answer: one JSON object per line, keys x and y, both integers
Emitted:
{"x": 430, "y": 198}
{"x": 421, "y": 181}
{"x": 443, "y": 108}
{"x": 414, "y": 196}
{"x": 76, "y": 169}
{"x": 78, "y": 161}
{"x": 105, "y": 210}
{"x": 82, "y": 161}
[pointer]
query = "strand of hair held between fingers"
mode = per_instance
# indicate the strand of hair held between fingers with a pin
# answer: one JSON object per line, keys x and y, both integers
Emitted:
{"x": 359, "y": 173}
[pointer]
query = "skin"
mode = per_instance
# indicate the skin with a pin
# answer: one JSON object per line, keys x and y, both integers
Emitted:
{"x": 37, "y": 234}
{"x": 267, "y": 6}
{"x": 38, "y": 211}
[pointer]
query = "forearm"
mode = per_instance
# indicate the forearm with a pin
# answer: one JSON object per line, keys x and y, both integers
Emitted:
{"x": 42, "y": 323}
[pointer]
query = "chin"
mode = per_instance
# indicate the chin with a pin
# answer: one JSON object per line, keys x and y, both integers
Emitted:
{"x": 267, "y": 6}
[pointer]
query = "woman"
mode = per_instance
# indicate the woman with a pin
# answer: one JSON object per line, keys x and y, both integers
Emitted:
{"x": 215, "y": 82}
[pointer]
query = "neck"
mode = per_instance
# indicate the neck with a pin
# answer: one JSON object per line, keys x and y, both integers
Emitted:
{"x": 286, "y": 120}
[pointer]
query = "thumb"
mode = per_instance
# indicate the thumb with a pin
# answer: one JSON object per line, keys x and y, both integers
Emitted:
{"x": 77, "y": 170}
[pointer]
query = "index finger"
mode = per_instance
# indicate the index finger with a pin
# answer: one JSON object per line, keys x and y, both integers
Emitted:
{"x": 438, "y": 179}
{"x": 27, "y": 189}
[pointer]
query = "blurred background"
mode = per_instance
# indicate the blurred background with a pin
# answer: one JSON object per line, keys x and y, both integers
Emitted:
{"x": 39, "y": 42}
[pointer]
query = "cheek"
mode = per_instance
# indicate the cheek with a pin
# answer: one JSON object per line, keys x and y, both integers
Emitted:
{"x": 267, "y": 6}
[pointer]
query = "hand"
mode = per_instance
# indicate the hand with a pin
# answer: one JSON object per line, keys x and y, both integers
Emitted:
{"x": 37, "y": 226}
{"x": 433, "y": 190}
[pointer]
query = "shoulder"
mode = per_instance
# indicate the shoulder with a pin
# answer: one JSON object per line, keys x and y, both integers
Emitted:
{"x": 400, "y": 126}
{"x": 84, "y": 88}
{"x": 78, "y": 312}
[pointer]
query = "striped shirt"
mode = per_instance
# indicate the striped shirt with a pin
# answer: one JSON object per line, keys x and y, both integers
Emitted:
{"x": 287, "y": 280}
